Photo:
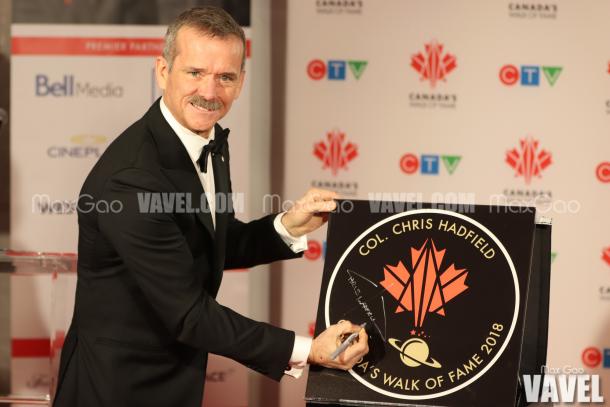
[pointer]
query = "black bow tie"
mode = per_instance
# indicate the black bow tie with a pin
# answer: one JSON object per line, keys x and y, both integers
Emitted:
{"x": 214, "y": 146}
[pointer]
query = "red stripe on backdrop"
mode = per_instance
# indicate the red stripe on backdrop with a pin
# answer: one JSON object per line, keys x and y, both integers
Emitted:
{"x": 86, "y": 46}
{"x": 31, "y": 348}
{"x": 91, "y": 46}
{"x": 37, "y": 347}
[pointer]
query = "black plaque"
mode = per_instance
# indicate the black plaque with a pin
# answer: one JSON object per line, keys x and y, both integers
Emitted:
{"x": 443, "y": 295}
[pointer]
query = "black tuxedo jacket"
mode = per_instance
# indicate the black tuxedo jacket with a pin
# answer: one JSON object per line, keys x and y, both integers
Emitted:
{"x": 145, "y": 316}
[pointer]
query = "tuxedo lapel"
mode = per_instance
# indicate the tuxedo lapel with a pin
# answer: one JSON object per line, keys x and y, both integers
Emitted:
{"x": 177, "y": 165}
{"x": 220, "y": 163}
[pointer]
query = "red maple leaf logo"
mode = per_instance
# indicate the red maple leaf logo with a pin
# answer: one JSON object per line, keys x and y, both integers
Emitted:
{"x": 335, "y": 153}
{"x": 424, "y": 288}
{"x": 434, "y": 66}
{"x": 530, "y": 161}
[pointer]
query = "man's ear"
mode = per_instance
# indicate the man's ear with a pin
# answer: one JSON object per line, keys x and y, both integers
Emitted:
{"x": 161, "y": 72}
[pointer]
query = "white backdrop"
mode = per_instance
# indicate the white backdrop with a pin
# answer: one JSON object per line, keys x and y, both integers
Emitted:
{"x": 431, "y": 123}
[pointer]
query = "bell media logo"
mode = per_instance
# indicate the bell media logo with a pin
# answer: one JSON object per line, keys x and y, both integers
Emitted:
{"x": 68, "y": 86}
{"x": 528, "y": 160}
{"x": 529, "y": 75}
{"x": 416, "y": 278}
{"x": 335, "y": 70}
{"x": 429, "y": 164}
{"x": 335, "y": 152}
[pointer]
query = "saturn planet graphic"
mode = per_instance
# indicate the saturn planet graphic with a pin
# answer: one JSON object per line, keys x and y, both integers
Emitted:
{"x": 414, "y": 352}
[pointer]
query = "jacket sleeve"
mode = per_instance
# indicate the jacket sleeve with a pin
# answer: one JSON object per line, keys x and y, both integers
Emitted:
{"x": 256, "y": 242}
{"x": 253, "y": 243}
{"x": 155, "y": 252}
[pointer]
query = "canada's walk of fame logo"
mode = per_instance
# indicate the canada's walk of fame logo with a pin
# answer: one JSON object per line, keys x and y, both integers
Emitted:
{"x": 439, "y": 294}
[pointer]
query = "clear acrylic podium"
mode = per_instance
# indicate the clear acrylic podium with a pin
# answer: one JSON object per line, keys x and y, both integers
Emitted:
{"x": 36, "y": 303}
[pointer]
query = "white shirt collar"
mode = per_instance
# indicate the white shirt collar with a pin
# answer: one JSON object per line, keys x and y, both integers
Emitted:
{"x": 193, "y": 142}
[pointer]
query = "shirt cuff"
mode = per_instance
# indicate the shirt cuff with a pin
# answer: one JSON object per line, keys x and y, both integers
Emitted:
{"x": 300, "y": 353}
{"x": 296, "y": 244}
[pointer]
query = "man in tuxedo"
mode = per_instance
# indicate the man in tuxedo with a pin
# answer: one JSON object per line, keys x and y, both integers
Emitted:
{"x": 145, "y": 315}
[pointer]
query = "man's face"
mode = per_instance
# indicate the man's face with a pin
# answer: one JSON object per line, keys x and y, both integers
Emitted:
{"x": 205, "y": 79}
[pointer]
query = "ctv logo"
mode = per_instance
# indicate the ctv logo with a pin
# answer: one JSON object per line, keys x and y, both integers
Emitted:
{"x": 335, "y": 70}
{"x": 315, "y": 250}
{"x": 529, "y": 75}
{"x": 67, "y": 86}
{"x": 435, "y": 65}
{"x": 336, "y": 152}
{"x": 592, "y": 357}
{"x": 428, "y": 164}
{"x": 603, "y": 172}
{"x": 528, "y": 160}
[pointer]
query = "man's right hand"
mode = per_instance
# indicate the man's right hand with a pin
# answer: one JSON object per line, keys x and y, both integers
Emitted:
{"x": 326, "y": 343}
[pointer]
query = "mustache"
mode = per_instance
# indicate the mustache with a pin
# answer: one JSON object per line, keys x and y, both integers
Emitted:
{"x": 202, "y": 102}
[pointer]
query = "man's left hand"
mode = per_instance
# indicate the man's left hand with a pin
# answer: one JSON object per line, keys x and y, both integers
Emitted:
{"x": 310, "y": 212}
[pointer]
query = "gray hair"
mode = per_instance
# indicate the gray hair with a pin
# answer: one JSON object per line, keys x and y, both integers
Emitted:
{"x": 209, "y": 20}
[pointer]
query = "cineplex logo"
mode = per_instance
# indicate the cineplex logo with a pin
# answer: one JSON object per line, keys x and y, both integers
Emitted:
{"x": 567, "y": 385}
{"x": 433, "y": 66}
{"x": 81, "y": 146}
{"x": 529, "y": 75}
{"x": 335, "y": 70}
{"x": 528, "y": 160}
{"x": 68, "y": 86}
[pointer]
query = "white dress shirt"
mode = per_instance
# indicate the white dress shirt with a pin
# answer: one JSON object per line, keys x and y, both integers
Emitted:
{"x": 194, "y": 144}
